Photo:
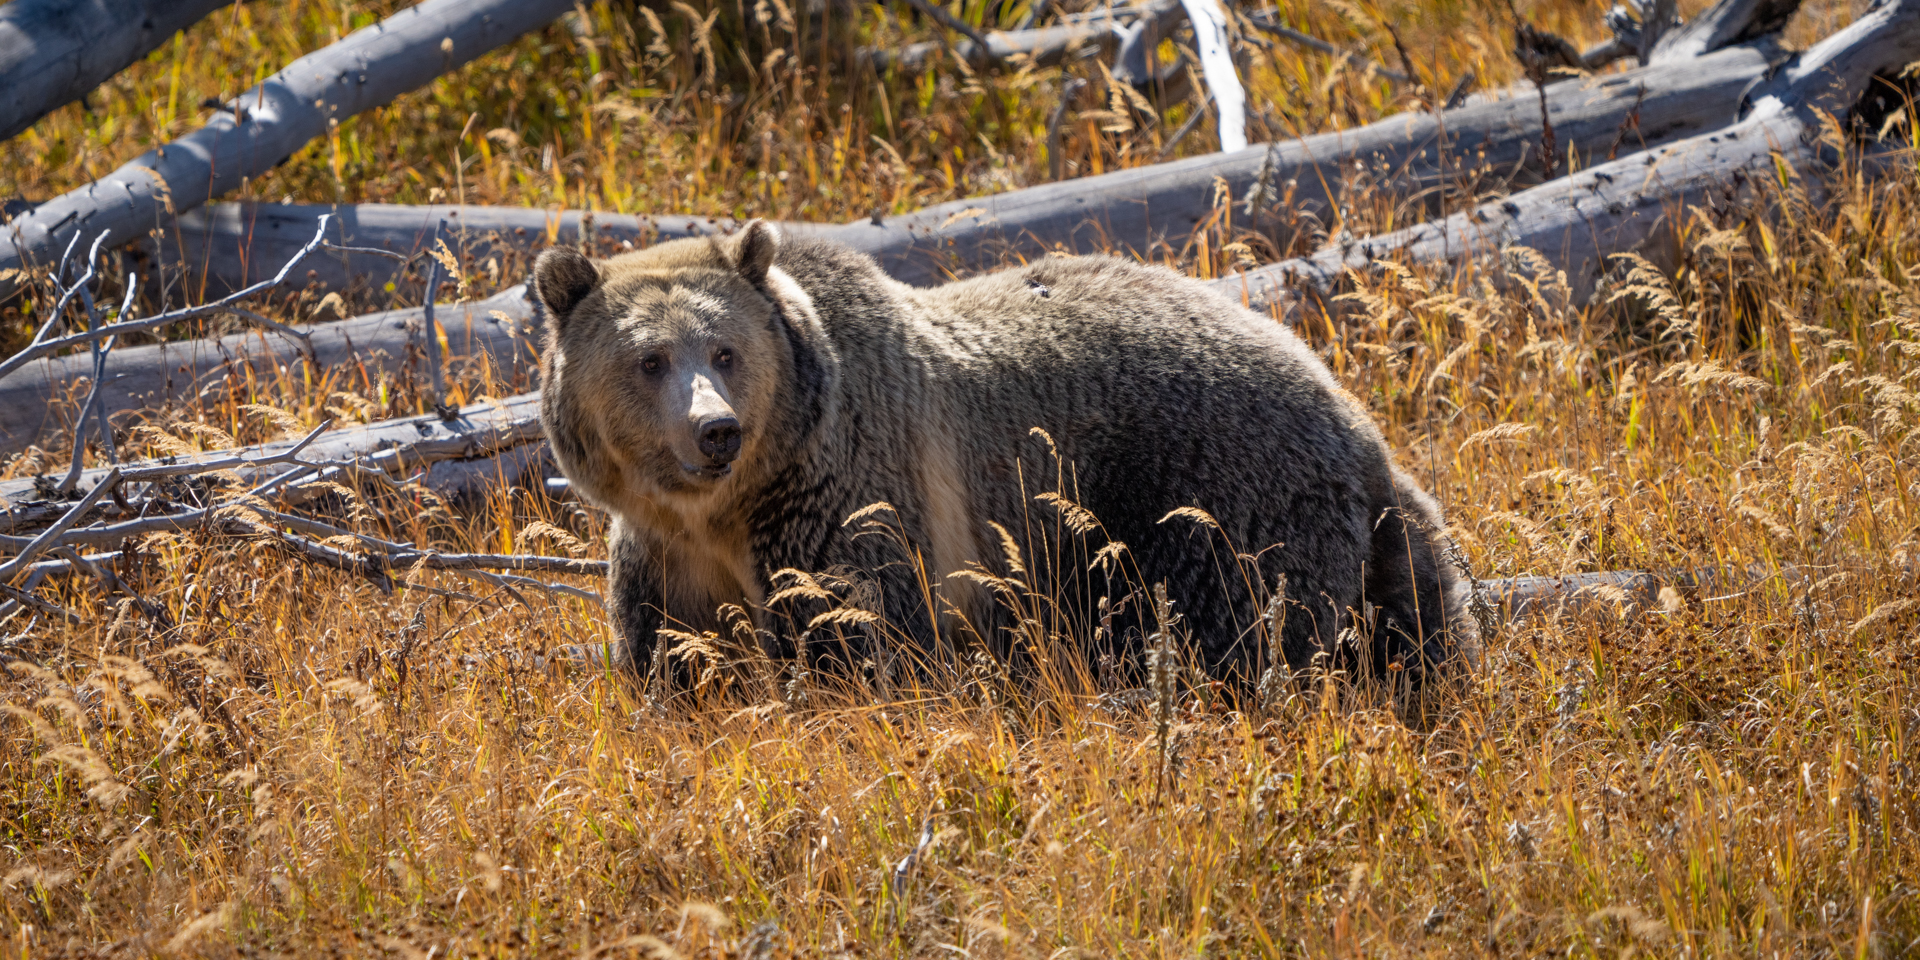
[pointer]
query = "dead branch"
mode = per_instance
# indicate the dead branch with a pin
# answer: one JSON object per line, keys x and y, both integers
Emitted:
{"x": 1100, "y": 33}
{"x": 1267, "y": 20}
{"x": 265, "y": 512}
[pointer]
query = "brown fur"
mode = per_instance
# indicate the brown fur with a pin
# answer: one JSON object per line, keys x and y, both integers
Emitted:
{"x": 1149, "y": 393}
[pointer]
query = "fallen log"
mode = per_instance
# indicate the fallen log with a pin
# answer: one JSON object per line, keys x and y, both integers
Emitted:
{"x": 231, "y": 245}
{"x": 257, "y": 495}
{"x": 267, "y": 124}
{"x": 1142, "y": 211}
{"x": 182, "y": 373}
{"x": 1146, "y": 210}
{"x": 52, "y": 52}
{"x": 1648, "y": 32}
{"x": 1579, "y": 222}
{"x": 1151, "y": 211}
{"x": 456, "y": 455}
{"x": 509, "y": 431}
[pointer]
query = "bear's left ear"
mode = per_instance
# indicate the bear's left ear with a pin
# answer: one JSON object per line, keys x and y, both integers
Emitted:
{"x": 752, "y": 251}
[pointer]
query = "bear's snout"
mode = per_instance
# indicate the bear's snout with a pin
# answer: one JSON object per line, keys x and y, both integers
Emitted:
{"x": 720, "y": 438}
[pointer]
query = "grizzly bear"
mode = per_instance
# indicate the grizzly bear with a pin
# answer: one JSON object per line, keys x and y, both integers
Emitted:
{"x": 1031, "y": 433}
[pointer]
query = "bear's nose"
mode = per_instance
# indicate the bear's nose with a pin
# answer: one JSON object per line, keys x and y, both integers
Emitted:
{"x": 720, "y": 439}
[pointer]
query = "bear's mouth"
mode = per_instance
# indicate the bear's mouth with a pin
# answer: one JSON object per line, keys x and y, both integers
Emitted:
{"x": 708, "y": 471}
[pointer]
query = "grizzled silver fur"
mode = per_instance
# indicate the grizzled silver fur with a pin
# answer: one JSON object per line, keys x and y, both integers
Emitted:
{"x": 732, "y": 402}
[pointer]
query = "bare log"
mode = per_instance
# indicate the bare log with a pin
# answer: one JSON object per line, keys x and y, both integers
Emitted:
{"x": 1143, "y": 210}
{"x": 182, "y": 373}
{"x": 1148, "y": 210}
{"x": 265, "y": 125}
{"x": 399, "y": 448}
{"x": 231, "y": 245}
{"x": 1649, "y": 31}
{"x": 1578, "y": 222}
{"x": 1725, "y": 24}
{"x": 279, "y": 478}
{"x": 52, "y": 52}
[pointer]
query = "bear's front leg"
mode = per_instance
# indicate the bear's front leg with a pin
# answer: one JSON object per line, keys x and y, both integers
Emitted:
{"x": 633, "y": 595}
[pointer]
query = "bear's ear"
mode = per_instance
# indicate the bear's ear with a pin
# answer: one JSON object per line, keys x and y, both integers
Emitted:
{"x": 563, "y": 277}
{"x": 752, "y": 251}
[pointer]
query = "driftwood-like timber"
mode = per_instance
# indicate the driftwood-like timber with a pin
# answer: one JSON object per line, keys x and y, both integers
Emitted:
{"x": 1725, "y": 24}
{"x": 230, "y": 245}
{"x": 1142, "y": 210}
{"x": 487, "y": 447}
{"x": 1151, "y": 210}
{"x": 258, "y": 494}
{"x": 275, "y": 480}
{"x": 1578, "y": 222}
{"x": 456, "y": 455}
{"x": 1145, "y": 210}
{"x": 1044, "y": 47}
{"x": 183, "y": 372}
{"x": 1647, "y": 33}
{"x": 263, "y": 126}
{"x": 52, "y": 52}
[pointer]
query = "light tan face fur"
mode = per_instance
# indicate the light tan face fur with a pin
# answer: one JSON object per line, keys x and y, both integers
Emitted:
{"x": 666, "y": 341}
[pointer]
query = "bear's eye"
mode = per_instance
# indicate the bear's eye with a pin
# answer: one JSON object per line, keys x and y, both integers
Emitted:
{"x": 650, "y": 363}
{"x": 723, "y": 359}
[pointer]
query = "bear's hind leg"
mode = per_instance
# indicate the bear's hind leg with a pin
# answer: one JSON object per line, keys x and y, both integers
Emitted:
{"x": 1412, "y": 585}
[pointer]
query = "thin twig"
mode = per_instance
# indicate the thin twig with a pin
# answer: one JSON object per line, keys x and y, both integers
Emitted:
{"x": 40, "y": 349}
{"x": 51, "y": 535}
{"x": 938, "y": 14}
{"x": 432, "y": 331}
{"x": 1268, "y": 21}
{"x": 1068, "y": 91}
{"x": 67, "y": 293}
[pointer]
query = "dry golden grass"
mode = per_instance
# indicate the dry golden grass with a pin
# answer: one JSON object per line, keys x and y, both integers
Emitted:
{"x": 284, "y": 760}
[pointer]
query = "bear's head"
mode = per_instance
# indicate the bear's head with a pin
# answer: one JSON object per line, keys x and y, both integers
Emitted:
{"x": 661, "y": 367}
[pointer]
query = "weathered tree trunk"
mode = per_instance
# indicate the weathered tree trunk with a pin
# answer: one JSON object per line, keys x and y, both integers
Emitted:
{"x": 1045, "y": 47}
{"x": 230, "y": 245}
{"x": 1149, "y": 210}
{"x": 265, "y": 125}
{"x": 1579, "y": 221}
{"x": 183, "y": 372}
{"x": 461, "y": 455}
{"x": 1140, "y": 209}
{"x": 1725, "y": 24}
{"x": 53, "y": 51}
{"x": 1145, "y": 210}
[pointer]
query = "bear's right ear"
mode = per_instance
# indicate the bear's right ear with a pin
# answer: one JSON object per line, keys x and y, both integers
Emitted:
{"x": 753, "y": 249}
{"x": 563, "y": 277}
